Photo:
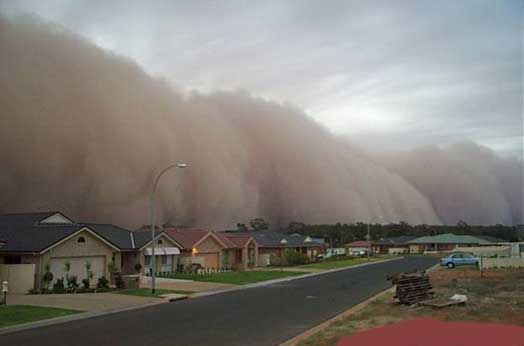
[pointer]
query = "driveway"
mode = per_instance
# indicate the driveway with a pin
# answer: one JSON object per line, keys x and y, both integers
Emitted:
{"x": 82, "y": 301}
{"x": 186, "y": 285}
{"x": 266, "y": 315}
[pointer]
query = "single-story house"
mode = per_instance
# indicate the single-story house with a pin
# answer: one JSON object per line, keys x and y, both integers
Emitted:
{"x": 444, "y": 242}
{"x": 214, "y": 250}
{"x": 273, "y": 245}
{"x": 486, "y": 251}
{"x": 359, "y": 245}
{"x": 394, "y": 245}
{"x": 37, "y": 242}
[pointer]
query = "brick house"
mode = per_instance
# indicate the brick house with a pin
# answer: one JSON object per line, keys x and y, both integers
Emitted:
{"x": 273, "y": 245}
{"x": 444, "y": 242}
{"x": 214, "y": 250}
{"x": 394, "y": 245}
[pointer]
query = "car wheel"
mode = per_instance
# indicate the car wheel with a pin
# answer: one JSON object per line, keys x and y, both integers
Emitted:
{"x": 451, "y": 265}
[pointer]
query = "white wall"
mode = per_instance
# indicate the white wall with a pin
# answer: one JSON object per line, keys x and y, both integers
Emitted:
{"x": 21, "y": 277}
{"x": 509, "y": 262}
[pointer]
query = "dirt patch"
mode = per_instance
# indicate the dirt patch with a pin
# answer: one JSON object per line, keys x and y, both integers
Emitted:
{"x": 497, "y": 296}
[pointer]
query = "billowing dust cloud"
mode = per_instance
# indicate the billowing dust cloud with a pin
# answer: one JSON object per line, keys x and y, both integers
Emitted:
{"x": 85, "y": 132}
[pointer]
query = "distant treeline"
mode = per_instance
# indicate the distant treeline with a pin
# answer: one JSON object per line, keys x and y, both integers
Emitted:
{"x": 338, "y": 234}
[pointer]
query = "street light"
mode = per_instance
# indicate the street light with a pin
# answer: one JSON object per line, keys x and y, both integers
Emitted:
{"x": 152, "y": 216}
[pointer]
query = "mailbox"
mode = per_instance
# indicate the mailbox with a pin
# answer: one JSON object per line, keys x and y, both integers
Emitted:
{"x": 5, "y": 287}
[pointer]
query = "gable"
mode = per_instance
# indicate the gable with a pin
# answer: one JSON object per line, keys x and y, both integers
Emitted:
{"x": 84, "y": 242}
{"x": 71, "y": 244}
{"x": 56, "y": 218}
{"x": 165, "y": 241}
{"x": 209, "y": 244}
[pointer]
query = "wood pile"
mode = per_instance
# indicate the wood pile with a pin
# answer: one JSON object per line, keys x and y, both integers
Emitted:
{"x": 412, "y": 287}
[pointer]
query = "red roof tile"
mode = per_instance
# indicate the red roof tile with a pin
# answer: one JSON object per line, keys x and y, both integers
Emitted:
{"x": 238, "y": 240}
{"x": 189, "y": 237}
{"x": 359, "y": 243}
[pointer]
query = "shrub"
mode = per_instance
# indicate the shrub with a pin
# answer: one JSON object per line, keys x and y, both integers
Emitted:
{"x": 72, "y": 283}
{"x": 48, "y": 276}
{"x": 102, "y": 282}
{"x": 59, "y": 287}
{"x": 119, "y": 282}
{"x": 86, "y": 283}
{"x": 296, "y": 258}
{"x": 138, "y": 267}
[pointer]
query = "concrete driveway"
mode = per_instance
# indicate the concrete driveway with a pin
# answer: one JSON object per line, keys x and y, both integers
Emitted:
{"x": 186, "y": 285}
{"x": 93, "y": 302}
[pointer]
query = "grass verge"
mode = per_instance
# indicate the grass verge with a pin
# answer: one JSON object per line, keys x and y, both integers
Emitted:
{"x": 17, "y": 314}
{"x": 237, "y": 277}
{"x": 497, "y": 297}
{"x": 336, "y": 264}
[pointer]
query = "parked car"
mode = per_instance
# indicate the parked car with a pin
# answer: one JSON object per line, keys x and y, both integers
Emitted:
{"x": 458, "y": 259}
{"x": 333, "y": 252}
{"x": 358, "y": 253}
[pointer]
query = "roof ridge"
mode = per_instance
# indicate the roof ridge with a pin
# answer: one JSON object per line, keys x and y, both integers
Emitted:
{"x": 31, "y": 213}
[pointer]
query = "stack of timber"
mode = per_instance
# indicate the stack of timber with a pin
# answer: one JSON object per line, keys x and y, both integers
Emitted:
{"x": 412, "y": 287}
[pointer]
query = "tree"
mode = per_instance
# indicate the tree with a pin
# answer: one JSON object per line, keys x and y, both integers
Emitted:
{"x": 258, "y": 224}
{"x": 241, "y": 227}
{"x": 295, "y": 227}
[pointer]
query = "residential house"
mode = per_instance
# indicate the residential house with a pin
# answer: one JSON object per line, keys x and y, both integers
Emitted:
{"x": 214, "y": 250}
{"x": 444, "y": 242}
{"x": 273, "y": 245}
{"x": 36, "y": 242}
{"x": 394, "y": 245}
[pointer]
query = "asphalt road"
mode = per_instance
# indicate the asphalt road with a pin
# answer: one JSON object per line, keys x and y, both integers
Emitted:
{"x": 265, "y": 315}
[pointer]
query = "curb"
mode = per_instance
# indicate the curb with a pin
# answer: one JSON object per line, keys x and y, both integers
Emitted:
{"x": 75, "y": 317}
{"x": 353, "y": 310}
{"x": 287, "y": 279}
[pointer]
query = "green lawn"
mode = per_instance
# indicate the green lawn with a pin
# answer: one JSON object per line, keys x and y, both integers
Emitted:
{"x": 237, "y": 277}
{"x": 146, "y": 292}
{"x": 16, "y": 314}
{"x": 340, "y": 263}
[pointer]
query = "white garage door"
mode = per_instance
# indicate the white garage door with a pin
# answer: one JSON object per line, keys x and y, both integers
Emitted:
{"x": 78, "y": 267}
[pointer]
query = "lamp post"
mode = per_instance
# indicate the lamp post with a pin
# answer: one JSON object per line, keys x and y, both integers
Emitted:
{"x": 369, "y": 241}
{"x": 152, "y": 216}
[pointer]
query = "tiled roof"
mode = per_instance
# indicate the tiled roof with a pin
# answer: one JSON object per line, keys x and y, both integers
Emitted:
{"x": 22, "y": 232}
{"x": 238, "y": 240}
{"x": 26, "y": 219}
{"x": 402, "y": 240}
{"x": 118, "y": 236}
{"x": 34, "y": 239}
{"x": 188, "y": 238}
{"x": 275, "y": 239}
{"x": 449, "y": 238}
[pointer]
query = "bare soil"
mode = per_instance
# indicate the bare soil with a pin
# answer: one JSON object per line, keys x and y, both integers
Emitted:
{"x": 497, "y": 296}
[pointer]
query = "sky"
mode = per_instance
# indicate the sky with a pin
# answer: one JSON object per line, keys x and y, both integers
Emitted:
{"x": 398, "y": 74}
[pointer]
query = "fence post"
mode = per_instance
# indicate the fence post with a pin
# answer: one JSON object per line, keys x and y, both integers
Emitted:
{"x": 480, "y": 266}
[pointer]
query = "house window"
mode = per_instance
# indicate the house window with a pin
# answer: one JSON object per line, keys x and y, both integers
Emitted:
{"x": 147, "y": 260}
{"x": 160, "y": 242}
{"x": 163, "y": 260}
{"x": 81, "y": 240}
